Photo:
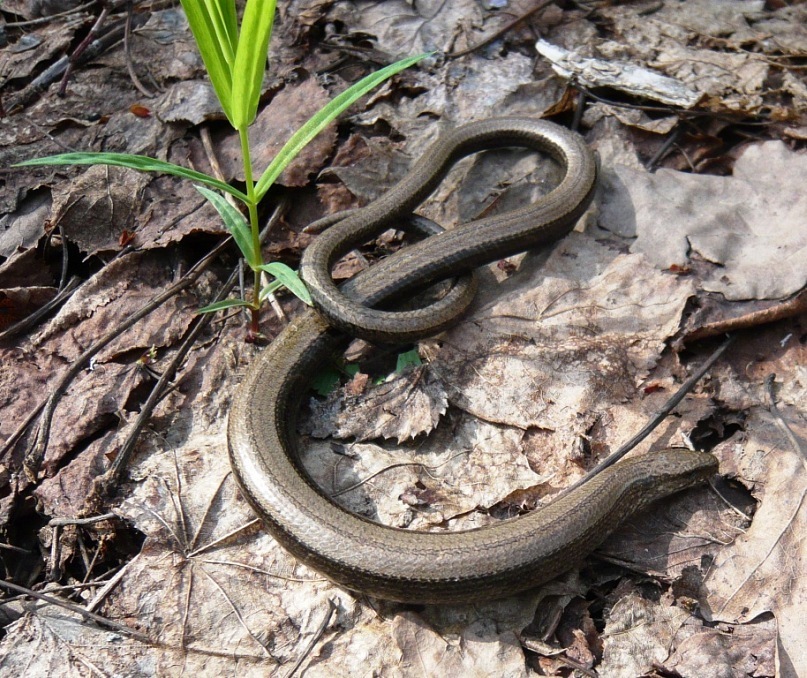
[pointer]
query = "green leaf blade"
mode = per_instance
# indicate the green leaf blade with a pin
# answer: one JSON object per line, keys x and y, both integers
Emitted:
{"x": 214, "y": 27}
{"x": 142, "y": 163}
{"x": 289, "y": 278}
{"x": 408, "y": 359}
{"x": 250, "y": 60}
{"x": 235, "y": 223}
{"x": 224, "y": 304}
{"x": 323, "y": 118}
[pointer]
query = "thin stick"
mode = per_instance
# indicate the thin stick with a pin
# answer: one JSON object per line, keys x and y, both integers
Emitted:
{"x": 82, "y": 521}
{"x": 31, "y": 320}
{"x": 499, "y": 33}
{"x": 780, "y": 420}
{"x": 90, "y": 616}
{"x": 315, "y": 638}
{"x": 648, "y": 428}
{"x": 110, "y": 478}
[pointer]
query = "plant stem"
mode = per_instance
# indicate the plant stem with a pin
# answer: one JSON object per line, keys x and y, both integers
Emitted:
{"x": 252, "y": 207}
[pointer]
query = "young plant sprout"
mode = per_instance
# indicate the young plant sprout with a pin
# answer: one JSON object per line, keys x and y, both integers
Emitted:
{"x": 235, "y": 60}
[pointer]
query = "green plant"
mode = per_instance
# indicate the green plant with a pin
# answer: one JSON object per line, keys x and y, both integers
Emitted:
{"x": 235, "y": 62}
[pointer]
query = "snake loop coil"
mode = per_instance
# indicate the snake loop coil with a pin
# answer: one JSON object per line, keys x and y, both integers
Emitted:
{"x": 410, "y": 566}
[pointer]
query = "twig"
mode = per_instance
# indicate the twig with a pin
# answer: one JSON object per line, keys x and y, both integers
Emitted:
{"x": 720, "y": 496}
{"x": 669, "y": 142}
{"x": 111, "y": 584}
{"x": 61, "y": 522}
{"x": 55, "y": 70}
{"x": 315, "y": 638}
{"x": 82, "y": 47}
{"x": 34, "y": 458}
{"x": 499, "y": 33}
{"x": 105, "y": 482}
{"x": 203, "y": 521}
{"x": 257, "y": 570}
{"x": 582, "y": 97}
{"x": 237, "y": 613}
{"x": 389, "y": 467}
{"x": 47, "y": 19}
{"x": 65, "y": 260}
{"x": 224, "y": 538}
{"x": 15, "y": 549}
{"x": 90, "y": 616}
{"x": 32, "y": 319}
{"x": 648, "y": 428}
{"x": 780, "y": 420}
{"x": 789, "y": 308}
{"x": 128, "y": 55}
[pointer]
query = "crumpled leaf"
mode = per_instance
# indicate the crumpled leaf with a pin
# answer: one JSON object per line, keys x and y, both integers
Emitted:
{"x": 563, "y": 340}
{"x": 96, "y": 208}
{"x": 425, "y": 483}
{"x": 751, "y": 224}
{"x": 402, "y": 407}
{"x": 639, "y": 635}
{"x": 405, "y": 28}
{"x": 671, "y": 40}
{"x": 761, "y": 571}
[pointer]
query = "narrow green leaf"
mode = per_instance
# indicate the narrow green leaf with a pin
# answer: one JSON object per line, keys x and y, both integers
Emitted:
{"x": 215, "y": 32}
{"x": 323, "y": 118}
{"x": 235, "y": 223}
{"x": 288, "y": 278}
{"x": 250, "y": 60}
{"x": 224, "y": 303}
{"x": 137, "y": 162}
{"x": 225, "y": 21}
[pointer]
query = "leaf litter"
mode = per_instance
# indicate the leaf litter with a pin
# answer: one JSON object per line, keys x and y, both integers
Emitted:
{"x": 563, "y": 359}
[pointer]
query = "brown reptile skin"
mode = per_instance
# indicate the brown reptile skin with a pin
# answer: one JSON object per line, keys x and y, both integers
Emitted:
{"x": 409, "y": 566}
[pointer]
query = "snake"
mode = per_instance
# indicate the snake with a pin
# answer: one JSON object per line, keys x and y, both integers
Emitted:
{"x": 505, "y": 557}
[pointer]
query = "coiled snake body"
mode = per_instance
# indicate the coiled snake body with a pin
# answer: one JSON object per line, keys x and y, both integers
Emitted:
{"x": 454, "y": 567}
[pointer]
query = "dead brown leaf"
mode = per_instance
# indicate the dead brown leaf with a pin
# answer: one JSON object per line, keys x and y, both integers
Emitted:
{"x": 286, "y": 113}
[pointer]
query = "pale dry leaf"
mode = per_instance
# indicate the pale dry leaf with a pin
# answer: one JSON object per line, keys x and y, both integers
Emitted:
{"x": 638, "y": 635}
{"x": 676, "y": 536}
{"x": 762, "y": 570}
{"x": 54, "y": 642}
{"x": 622, "y": 76}
{"x": 563, "y": 340}
{"x": 480, "y": 649}
{"x": 428, "y": 482}
{"x": 403, "y": 407}
{"x": 289, "y": 109}
{"x": 727, "y": 651}
{"x": 403, "y": 28}
{"x": 630, "y": 117}
{"x": 784, "y": 30}
{"x": 470, "y": 91}
{"x": 39, "y": 45}
{"x": 112, "y": 295}
{"x": 94, "y": 210}
{"x": 191, "y": 101}
{"x": 172, "y": 209}
{"x": 750, "y": 224}
{"x": 207, "y": 579}
{"x": 670, "y": 40}
{"x": 21, "y": 229}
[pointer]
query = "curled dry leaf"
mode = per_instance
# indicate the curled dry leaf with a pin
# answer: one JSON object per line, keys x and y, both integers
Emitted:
{"x": 761, "y": 571}
{"x": 750, "y": 224}
{"x": 403, "y": 407}
{"x": 97, "y": 207}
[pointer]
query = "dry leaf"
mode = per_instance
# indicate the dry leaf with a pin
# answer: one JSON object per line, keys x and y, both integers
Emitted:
{"x": 750, "y": 224}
